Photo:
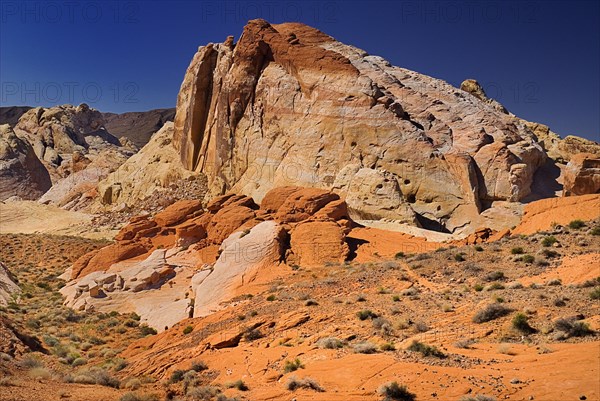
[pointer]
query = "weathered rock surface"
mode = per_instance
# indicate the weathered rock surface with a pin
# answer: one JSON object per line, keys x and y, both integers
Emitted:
{"x": 289, "y": 105}
{"x": 8, "y": 287}
{"x": 242, "y": 257}
{"x": 22, "y": 174}
{"x": 153, "y": 169}
{"x": 231, "y": 246}
{"x": 582, "y": 175}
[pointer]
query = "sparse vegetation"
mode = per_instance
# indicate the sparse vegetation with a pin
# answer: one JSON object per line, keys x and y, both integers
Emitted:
{"x": 365, "y": 348}
{"x": 366, "y": 314}
{"x": 330, "y": 343}
{"x": 549, "y": 241}
{"x": 517, "y": 250}
{"x": 478, "y": 397}
{"x": 426, "y": 350}
{"x": 520, "y": 322}
{"x": 576, "y": 224}
{"x": 396, "y": 392}
{"x": 294, "y": 383}
{"x": 292, "y": 366}
{"x": 188, "y": 330}
{"x": 491, "y": 312}
{"x": 528, "y": 258}
{"x": 595, "y": 294}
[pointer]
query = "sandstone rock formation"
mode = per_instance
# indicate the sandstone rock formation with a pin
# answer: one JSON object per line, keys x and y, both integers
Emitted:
{"x": 289, "y": 105}
{"x": 562, "y": 149}
{"x": 22, "y": 174}
{"x": 211, "y": 254}
{"x": 155, "y": 167}
{"x": 582, "y": 175}
{"x": 475, "y": 89}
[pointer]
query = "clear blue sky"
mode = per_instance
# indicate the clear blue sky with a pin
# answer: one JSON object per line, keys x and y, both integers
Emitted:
{"x": 540, "y": 59}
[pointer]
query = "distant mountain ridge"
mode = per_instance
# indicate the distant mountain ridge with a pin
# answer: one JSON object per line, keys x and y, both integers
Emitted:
{"x": 137, "y": 126}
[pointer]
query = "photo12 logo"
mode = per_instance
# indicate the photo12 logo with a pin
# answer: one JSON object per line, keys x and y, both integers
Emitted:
{"x": 12, "y": 92}
{"x": 70, "y": 12}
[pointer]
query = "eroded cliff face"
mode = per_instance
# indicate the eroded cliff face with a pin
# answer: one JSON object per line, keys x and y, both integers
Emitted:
{"x": 289, "y": 105}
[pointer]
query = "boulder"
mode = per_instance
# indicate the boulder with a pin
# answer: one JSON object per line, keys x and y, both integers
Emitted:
{"x": 581, "y": 176}
{"x": 314, "y": 243}
{"x": 102, "y": 259}
{"x": 177, "y": 212}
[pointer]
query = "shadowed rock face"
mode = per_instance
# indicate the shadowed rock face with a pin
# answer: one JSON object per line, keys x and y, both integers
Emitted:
{"x": 137, "y": 126}
{"x": 290, "y": 105}
{"x": 21, "y": 172}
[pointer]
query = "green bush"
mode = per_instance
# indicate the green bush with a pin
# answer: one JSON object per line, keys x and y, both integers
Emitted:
{"x": 396, "y": 392}
{"x": 330, "y": 343}
{"x": 366, "y": 314}
{"x": 478, "y": 248}
{"x": 576, "y": 224}
{"x": 188, "y": 329}
{"x": 271, "y": 298}
{"x": 292, "y": 366}
{"x": 459, "y": 257}
{"x": 528, "y": 258}
{"x": 595, "y": 294}
{"x": 426, "y": 350}
{"x": 549, "y": 241}
{"x": 520, "y": 322}
{"x": 399, "y": 255}
{"x": 595, "y": 230}
{"x": 517, "y": 250}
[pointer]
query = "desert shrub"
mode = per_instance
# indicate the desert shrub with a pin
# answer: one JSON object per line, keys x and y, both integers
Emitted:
{"x": 96, "y": 375}
{"x": 549, "y": 253}
{"x": 330, "y": 343}
{"x": 366, "y": 314}
{"x": 495, "y": 286}
{"x": 188, "y": 329}
{"x": 595, "y": 294}
{"x": 132, "y": 384}
{"x": 203, "y": 393}
{"x": 572, "y": 327}
{"x": 365, "y": 348}
{"x": 239, "y": 385}
{"x": 387, "y": 347}
{"x": 199, "y": 366}
{"x": 409, "y": 292}
{"x": 426, "y": 350}
{"x": 396, "y": 298}
{"x": 253, "y": 334}
{"x": 517, "y": 250}
{"x": 6, "y": 381}
{"x": 554, "y": 282}
{"x": 292, "y": 366}
{"x": 478, "y": 248}
{"x": 31, "y": 362}
{"x": 464, "y": 344}
{"x": 361, "y": 298}
{"x": 421, "y": 326}
{"x": 576, "y": 224}
{"x": 79, "y": 362}
{"x": 495, "y": 276}
{"x": 311, "y": 302}
{"x": 396, "y": 392}
{"x": 139, "y": 397}
{"x": 595, "y": 230}
{"x": 271, "y": 298}
{"x": 399, "y": 255}
{"x": 520, "y": 322}
{"x": 146, "y": 330}
{"x": 478, "y": 397}
{"x": 478, "y": 287}
{"x": 491, "y": 312}
{"x": 549, "y": 241}
{"x": 177, "y": 376}
{"x": 39, "y": 373}
{"x": 459, "y": 257}
{"x": 294, "y": 383}
{"x": 528, "y": 258}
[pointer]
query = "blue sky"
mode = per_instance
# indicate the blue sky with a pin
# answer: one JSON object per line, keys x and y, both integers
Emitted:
{"x": 540, "y": 59}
